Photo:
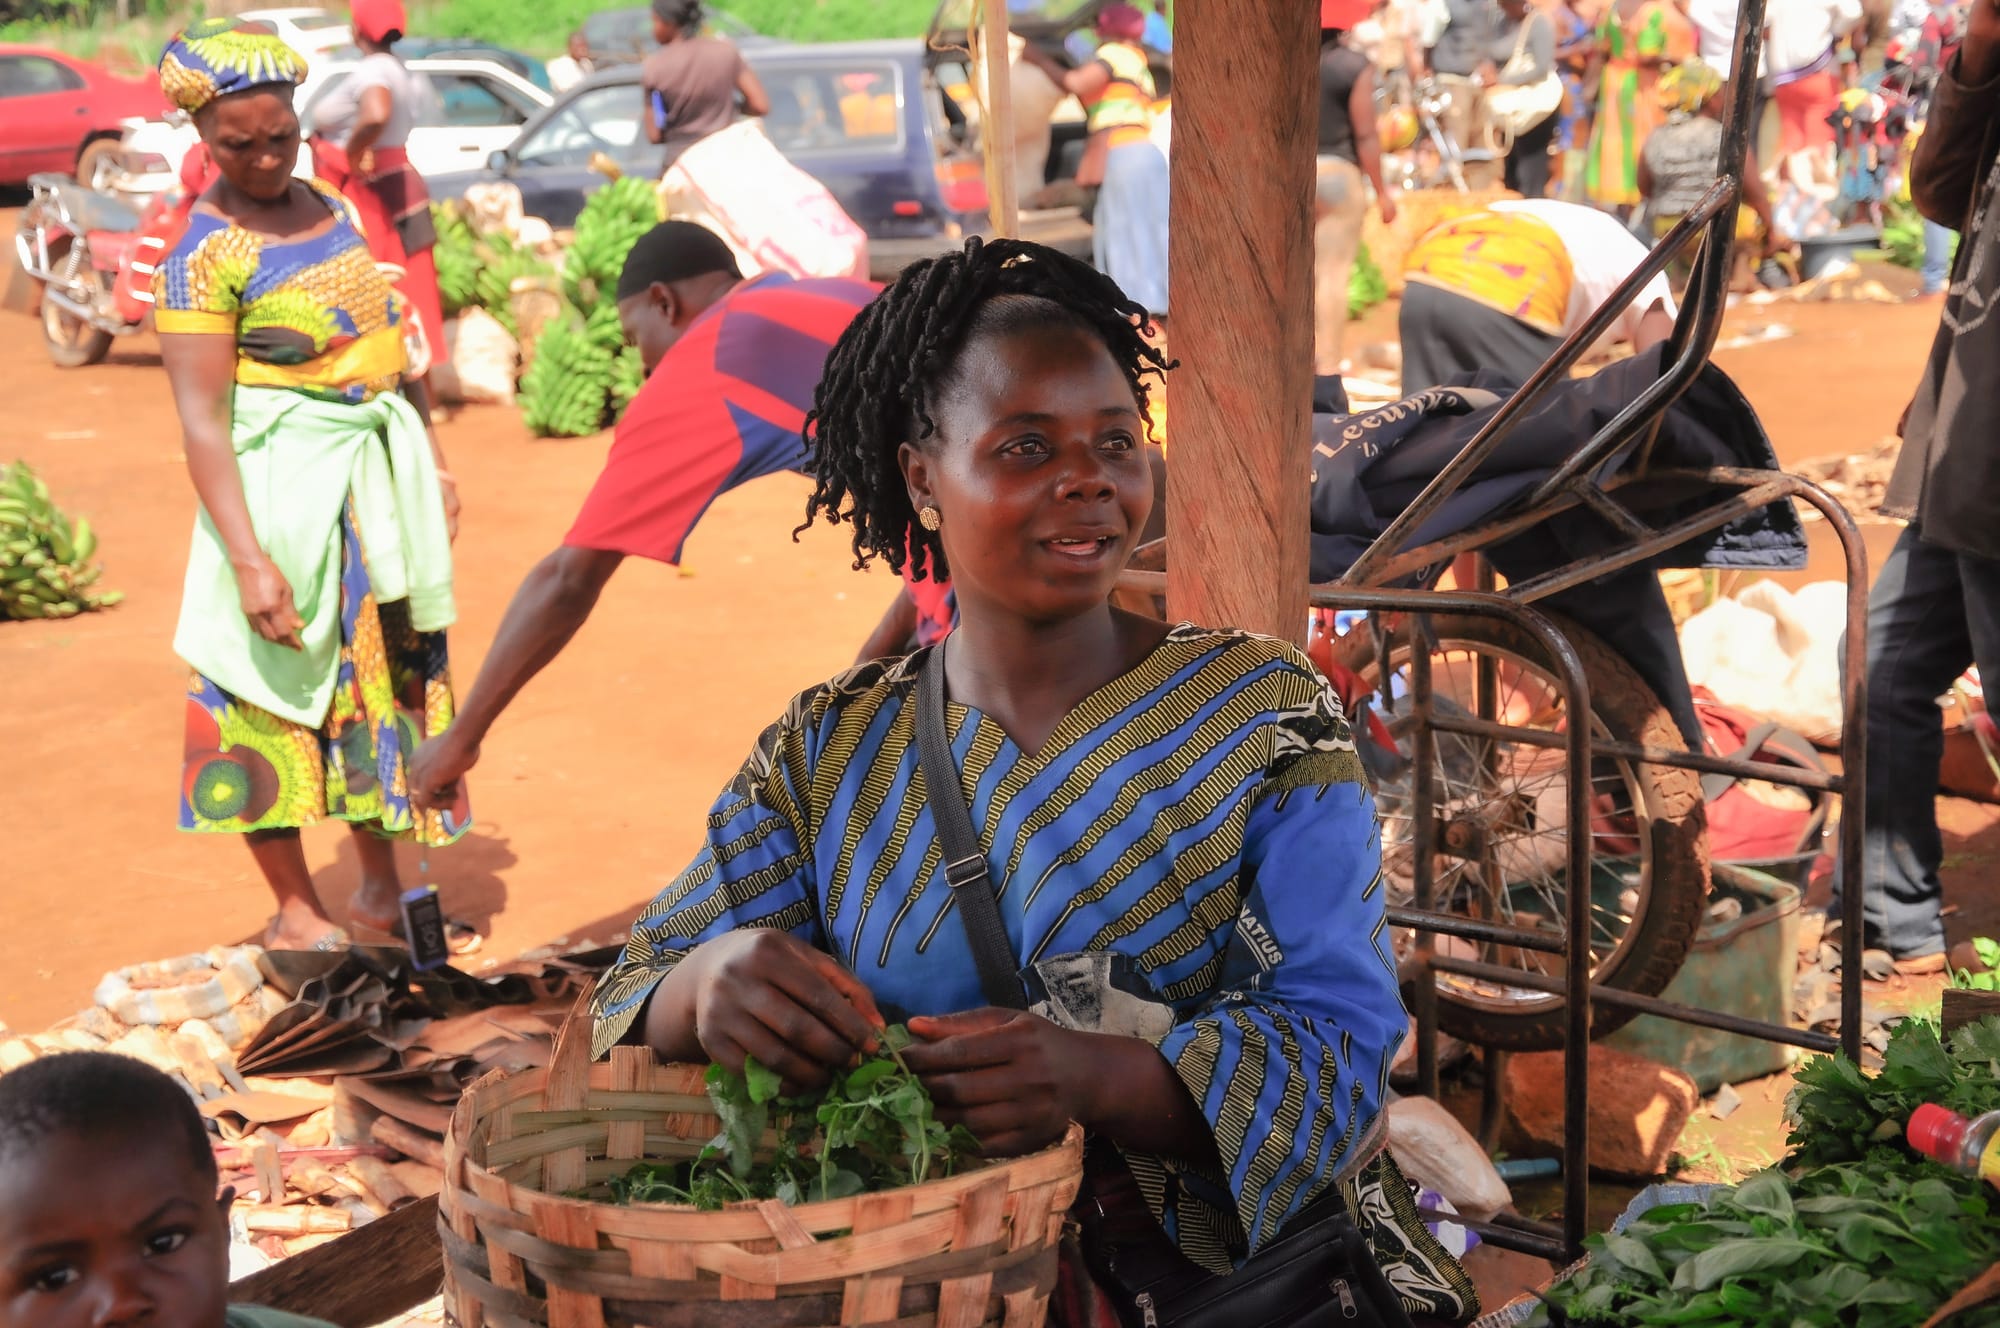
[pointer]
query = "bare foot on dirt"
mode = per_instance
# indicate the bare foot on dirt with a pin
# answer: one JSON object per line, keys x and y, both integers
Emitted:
{"x": 298, "y": 927}
{"x": 378, "y": 906}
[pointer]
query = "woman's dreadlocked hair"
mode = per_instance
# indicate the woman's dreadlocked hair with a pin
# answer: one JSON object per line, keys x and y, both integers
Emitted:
{"x": 883, "y": 375}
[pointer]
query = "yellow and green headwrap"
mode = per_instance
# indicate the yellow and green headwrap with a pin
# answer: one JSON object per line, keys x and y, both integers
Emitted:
{"x": 218, "y": 57}
{"x": 1686, "y": 88}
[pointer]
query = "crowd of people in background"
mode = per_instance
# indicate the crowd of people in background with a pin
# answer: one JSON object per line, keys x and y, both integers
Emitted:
{"x": 1618, "y": 105}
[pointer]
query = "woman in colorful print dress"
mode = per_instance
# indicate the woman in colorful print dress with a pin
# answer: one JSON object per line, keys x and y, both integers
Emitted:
{"x": 1639, "y": 39}
{"x": 1182, "y": 841}
{"x": 319, "y": 579}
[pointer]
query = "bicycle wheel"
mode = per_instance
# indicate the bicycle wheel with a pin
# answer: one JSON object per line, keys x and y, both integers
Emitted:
{"x": 1501, "y": 814}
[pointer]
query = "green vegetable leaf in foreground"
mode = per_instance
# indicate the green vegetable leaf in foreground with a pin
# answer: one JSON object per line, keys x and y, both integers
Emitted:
{"x": 872, "y": 1128}
{"x": 1856, "y": 1232}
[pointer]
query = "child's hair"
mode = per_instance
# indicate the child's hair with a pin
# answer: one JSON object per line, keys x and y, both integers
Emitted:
{"x": 883, "y": 376}
{"x": 97, "y": 1094}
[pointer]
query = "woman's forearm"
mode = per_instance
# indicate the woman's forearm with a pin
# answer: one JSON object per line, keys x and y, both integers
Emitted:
{"x": 667, "y": 1024}
{"x": 1138, "y": 1102}
{"x": 211, "y": 461}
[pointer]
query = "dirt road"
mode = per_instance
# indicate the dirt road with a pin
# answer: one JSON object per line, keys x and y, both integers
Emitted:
{"x": 593, "y": 787}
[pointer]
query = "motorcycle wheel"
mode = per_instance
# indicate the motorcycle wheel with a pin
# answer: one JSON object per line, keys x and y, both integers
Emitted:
{"x": 1502, "y": 804}
{"x": 73, "y": 343}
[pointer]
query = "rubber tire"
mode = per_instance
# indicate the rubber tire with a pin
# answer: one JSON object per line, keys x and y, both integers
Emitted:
{"x": 90, "y": 350}
{"x": 1677, "y": 820}
{"x": 95, "y": 151}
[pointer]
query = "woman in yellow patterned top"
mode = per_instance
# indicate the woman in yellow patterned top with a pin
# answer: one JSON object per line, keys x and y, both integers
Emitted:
{"x": 1129, "y": 227}
{"x": 319, "y": 580}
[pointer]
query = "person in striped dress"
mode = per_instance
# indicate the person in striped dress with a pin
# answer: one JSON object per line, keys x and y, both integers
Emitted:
{"x": 1182, "y": 841}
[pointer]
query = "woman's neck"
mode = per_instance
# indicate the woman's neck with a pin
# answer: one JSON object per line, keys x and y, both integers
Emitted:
{"x": 1027, "y": 676}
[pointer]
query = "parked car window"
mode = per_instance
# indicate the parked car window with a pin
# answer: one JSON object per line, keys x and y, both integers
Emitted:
{"x": 34, "y": 75}
{"x": 470, "y": 102}
{"x": 603, "y": 120}
{"x": 315, "y": 22}
{"x": 822, "y": 107}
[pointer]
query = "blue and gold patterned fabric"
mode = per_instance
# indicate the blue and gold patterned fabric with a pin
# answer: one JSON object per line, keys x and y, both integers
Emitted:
{"x": 219, "y": 57}
{"x": 311, "y": 313}
{"x": 1203, "y": 816}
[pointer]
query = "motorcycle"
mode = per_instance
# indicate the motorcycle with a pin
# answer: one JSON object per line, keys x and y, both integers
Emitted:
{"x": 94, "y": 256}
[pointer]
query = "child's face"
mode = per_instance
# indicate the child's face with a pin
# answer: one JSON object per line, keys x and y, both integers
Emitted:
{"x": 102, "y": 1232}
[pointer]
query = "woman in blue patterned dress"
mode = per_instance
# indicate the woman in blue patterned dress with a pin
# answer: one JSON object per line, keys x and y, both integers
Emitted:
{"x": 1184, "y": 848}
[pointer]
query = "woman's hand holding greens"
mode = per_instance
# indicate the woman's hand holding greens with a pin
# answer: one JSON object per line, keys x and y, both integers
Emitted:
{"x": 766, "y": 994}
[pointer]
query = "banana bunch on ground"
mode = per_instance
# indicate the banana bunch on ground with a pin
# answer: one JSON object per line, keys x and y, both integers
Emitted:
{"x": 564, "y": 392}
{"x": 457, "y": 259}
{"x": 502, "y": 262}
{"x": 611, "y": 222}
{"x": 45, "y": 557}
{"x": 628, "y": 375}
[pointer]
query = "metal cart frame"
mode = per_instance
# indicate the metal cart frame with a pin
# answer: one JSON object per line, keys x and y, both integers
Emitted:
{"x": 1711, "y": 225}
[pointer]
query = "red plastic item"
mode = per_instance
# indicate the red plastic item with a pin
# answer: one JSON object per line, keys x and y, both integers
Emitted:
{"x": 1936, "y": 1132}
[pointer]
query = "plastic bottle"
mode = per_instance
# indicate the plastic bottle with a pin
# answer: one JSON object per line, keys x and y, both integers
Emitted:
{"x": 1970, "y": 1146}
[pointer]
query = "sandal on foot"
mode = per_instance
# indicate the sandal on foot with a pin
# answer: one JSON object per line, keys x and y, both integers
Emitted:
{"x": 460, "y": 937}
{"x": 332, "y": 942}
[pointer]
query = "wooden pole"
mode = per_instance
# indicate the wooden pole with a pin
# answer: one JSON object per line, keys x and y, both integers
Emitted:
{"x": 1240, "y": 285}
{"x": 996, "y": 121}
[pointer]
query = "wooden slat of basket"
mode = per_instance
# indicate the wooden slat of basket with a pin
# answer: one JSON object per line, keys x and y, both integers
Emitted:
{"x": 874, "y": 1297}
{"x": 547, "y": 1145}
{"x": 626, "y": 1138}
{"x": 575, "y": 1227}
{"x": 494, "y": 1217}
{"x": 846, "y": 1256}
{"x": 785, "y": 1228}
{"x": 639, "y": 1105}
{"x": 1028, "y": 1219}
{"x": 917, "y": 1306}
{"x": 982, "y": 1219}
{"x": 454, "y": 1222}
{"x": 566, "y": 1087}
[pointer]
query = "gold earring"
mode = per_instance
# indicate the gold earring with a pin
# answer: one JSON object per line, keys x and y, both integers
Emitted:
{"x": 928, "y": 517}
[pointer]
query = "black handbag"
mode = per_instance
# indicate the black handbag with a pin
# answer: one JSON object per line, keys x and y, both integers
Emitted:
{"x": 1319, "y": 1270}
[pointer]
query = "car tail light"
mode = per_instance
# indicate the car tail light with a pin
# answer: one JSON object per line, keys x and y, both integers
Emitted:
{"x": 962, "y": 183}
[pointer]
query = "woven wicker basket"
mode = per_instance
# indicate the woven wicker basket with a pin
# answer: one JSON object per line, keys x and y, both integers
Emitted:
{"x": 978, "y": 1248}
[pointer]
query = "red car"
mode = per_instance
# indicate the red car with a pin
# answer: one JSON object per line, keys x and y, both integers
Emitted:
{"x": 59, "y": 113}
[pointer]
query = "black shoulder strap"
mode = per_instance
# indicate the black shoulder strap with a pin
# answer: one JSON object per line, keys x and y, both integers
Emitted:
{"x": 964, "y": 861}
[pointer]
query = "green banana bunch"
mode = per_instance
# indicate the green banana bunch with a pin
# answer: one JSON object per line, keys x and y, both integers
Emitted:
{"x": 501, "y": 264}
{"x": 611, "y": 222}
{"x": 457, "y": 259}
{"x": 45, "y": 556}
{"x": 628, "y": 375}
{"x": 564, "y": 392}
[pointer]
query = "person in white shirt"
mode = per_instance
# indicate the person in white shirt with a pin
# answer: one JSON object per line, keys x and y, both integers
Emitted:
{"x": 1501, "y": 289}
{"x": 1715, "y": 35}
{"x": 566, "y": 71}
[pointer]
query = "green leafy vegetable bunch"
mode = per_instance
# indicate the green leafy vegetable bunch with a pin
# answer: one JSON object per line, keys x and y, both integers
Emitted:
{"x": 1839, "y": 1114}
{"x": 872, "y": 1127}
{"x": 1867, "y": 1244}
